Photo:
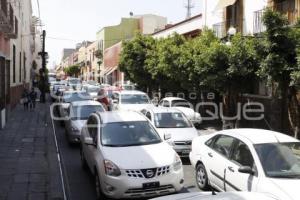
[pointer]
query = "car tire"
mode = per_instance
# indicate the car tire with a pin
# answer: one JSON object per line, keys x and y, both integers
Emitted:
{"x": 202, "y": 178}
{"x": 99, "y": 193}
{"x": 83, "y": 160}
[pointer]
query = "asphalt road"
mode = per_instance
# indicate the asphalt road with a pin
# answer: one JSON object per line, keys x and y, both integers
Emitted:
{"x": 79, "y": 183}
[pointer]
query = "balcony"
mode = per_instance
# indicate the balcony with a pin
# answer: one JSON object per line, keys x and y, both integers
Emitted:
{"x": 221, "y": 29}
{"x": 288, "y": 8}
{"x": 8, "y": 22}
{"x": 258, "y": 25}
{"x": 4, "y": 15}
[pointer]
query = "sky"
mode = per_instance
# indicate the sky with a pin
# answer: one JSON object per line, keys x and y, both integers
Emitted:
{"x": 68, "y": 22}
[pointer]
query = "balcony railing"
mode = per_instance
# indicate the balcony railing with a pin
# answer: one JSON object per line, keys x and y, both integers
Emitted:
{"x": 9, "y": 24}
{"x": 258, "y": 25}
{"x": 221, "y": 29}
{"x": 4, "y": 7}
{"x": 288, "y": 8}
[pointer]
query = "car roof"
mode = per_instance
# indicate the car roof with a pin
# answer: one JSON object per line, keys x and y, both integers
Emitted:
{"x": 163, "y": 109}
{"x": 85, "y": 103}
{"x": 258, "y": 136}
{"x": 173, "y": 98}
{"x": 120, "y": 116}
{"x": 131, "y": 92}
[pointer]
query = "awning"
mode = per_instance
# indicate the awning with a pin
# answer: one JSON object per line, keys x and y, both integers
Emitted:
{"x": 108, "y": 70}
{"x": 224, "y": 3}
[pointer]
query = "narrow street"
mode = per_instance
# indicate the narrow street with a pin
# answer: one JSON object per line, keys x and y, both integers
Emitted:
{"x": 79, "y": 183}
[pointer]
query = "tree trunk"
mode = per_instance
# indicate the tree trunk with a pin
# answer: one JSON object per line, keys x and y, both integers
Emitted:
{"x": 284, "y": 106}
{"x": 294, "y": 112}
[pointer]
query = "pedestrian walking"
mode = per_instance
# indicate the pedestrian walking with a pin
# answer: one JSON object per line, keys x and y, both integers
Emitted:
{"x": 24, "y": 98}
{"x": 103, "y": 99}
{"x": 32, "y": 99}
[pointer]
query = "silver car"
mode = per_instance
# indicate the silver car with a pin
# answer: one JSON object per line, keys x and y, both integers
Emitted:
{"x": 69, "y": 97}
{"x": 78, "y": 113}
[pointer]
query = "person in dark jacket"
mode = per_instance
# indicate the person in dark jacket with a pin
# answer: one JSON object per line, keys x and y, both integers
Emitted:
{"x": 24, "y": 98}
{"x": 32, "y": 99}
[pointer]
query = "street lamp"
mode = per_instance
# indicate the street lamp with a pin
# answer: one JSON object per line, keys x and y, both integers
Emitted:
{"x": 230, "y": 33}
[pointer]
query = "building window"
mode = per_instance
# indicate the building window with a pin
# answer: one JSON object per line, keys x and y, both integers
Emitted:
{"x": 20, "y": 67}
{"x": 14, "y": 63}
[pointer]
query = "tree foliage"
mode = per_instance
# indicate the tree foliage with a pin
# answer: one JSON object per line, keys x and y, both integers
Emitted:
{"x": 73, "y": 70}
{"x": 132, "y": 60}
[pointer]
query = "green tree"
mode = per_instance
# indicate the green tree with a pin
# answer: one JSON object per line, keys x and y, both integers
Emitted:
{"x": 73, "y": 70}
{"x": 226, "y": 69}
{"x": 165, "y": 63}
{"x": 132, "y": 61}
{"x": 280, "y": 65}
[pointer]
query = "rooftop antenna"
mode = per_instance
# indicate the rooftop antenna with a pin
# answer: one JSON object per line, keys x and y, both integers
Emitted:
{"x": 189, "y": 5}
{"x": 131, "y": 14}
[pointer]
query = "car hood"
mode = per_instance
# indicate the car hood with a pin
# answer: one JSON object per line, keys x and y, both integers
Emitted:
{"x": 134, "y": 107}
{"x": 287, "y": 189}
{"x": 78, "y": 124}
{"x": 93, "y": 94}
{"x": 187, "y": 111}
{"x": 179, "y": 134}
{"x": 140, "y": 157}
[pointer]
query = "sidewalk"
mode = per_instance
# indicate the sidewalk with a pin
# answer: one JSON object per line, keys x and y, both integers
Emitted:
{"x": 29, "y": 167}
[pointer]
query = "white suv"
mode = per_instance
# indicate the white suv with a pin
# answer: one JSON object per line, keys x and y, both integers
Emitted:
{"x": 128, "y": 158}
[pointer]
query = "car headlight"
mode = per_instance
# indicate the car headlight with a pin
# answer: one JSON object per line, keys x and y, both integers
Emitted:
{"x": 177, "y": 165}
{"x": 111, "y": 169}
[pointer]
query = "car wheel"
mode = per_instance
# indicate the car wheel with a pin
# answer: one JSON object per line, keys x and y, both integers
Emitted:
{"x": 201, "y": 177}
{"x": 83, "y": 160}
{"x": 99, "y": 193}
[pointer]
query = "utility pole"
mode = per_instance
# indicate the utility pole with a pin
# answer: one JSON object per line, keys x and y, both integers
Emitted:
{"x": 43, "y": 80}
{"x": 189, "y": 7}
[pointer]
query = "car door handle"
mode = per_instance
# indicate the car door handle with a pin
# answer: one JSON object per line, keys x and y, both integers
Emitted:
{"x": 231, "y": 169}
{"x": 210, "y": 155}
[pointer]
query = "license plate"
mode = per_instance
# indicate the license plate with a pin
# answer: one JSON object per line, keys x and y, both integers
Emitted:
{"x": 185, "y": 151}
{"x": 151, "y": 185}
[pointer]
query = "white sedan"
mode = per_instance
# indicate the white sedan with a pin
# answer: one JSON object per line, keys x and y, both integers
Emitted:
{"x": 248, "y": 160}
{"x": 173, "y": 122}
{"x": 184, "y": 106}
{"x": 128, "y": 158}
{"x": 130, "y": 100}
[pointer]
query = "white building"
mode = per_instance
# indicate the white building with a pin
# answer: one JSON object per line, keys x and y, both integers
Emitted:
{"x": 190, "y": 28}
{"x": 23, "y": 50}
{"x": 243, "y": 15}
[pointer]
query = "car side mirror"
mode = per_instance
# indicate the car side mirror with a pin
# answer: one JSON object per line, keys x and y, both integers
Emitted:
{"x": 89, "y": 141}
{"x": 167, "y": 136}
{"x": 246, "y": 170}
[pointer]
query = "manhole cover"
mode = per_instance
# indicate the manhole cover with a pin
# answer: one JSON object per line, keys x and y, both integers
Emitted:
{"x": 27, "y": 140}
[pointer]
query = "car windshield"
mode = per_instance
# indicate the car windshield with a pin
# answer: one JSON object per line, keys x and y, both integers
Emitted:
{"x": 134, "y": 99}
{"x": 71, "y": 97}
{"x": 180, "y": 103}
{"x": 280, "y": 160}
{"x": 171, "y": 120}
{"x": 74, "y": 81}
{"x": 122, "y": 134}
{"x": 93, "y": 89}
{"x": 83, "y": 112}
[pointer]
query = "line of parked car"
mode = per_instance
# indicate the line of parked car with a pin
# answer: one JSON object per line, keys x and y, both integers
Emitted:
{"x": 135, "y": 150}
